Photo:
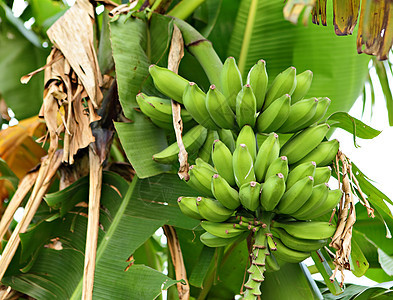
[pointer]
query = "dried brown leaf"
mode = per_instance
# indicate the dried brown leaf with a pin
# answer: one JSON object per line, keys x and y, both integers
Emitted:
{"x": 345, "y": 16}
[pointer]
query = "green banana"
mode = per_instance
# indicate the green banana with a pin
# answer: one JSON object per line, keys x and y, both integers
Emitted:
{"x": 271, "y": 263}
{"x": 296, "y": 243}
{"x": 322, "y": 175}
{"x": 159, "y": 109}
{"x": 272, "y": 191}
{"x": 279, "y": 165}
{"x": 226, "y": 137}
{"x": 322, "y": 107}
{"x": 309, "y": 230}
{"x": 188, "y": 207}
{"x": 299, "y": 114}
{"x": 289, "y": 255}
{"x": 247, "y": 136}
{"x": 224, "y": 193}
{"x": 331, "y": 202}
{"x": 275, "y": 115}
{"x": 168, "y": 82}
{"x": 223, "y": 230}
{"x": 231, "y": 81}
{"x": 270, "y": 241}
{"x": 318, "y": 196}
{"x": 246, "y": 107}
{"x": 213, "y": 241}
{"x": 296, "y": 196}
{"x": 301, "y": 171}
{"x": 249, "y": 195}
{"x": 303, "y": 84}
{"x": 206, "y": 149}
{"x": 200, "y": 179}
{"x": 243, "y": 166}
{"x": 223, "y": 162}
{"x": 323, "y": 154}
{"x": 212, "y": 210}
{"x": 267, "y": 153}
{"x": 219, "y": 109}
{"x": 200, "y": 163}
{"x": 257, "y": 77}
{"x": 194, "y": 101}
{"x": 192, "y": 141}
{"x": 304, "y": 142}
{"x": 284, "y": 83}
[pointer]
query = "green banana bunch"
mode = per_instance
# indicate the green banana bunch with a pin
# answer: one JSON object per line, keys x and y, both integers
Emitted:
{"x": 159, "y": 110}
{"x": 222, "y": 160}
{"x": 192, "y": 141}
{"x": 231, "y": 81}
{"x": 296, "y": 243}
{"x": 249, "y": 195}
{"x": 188, "y": 207}
{"x": 322, "y": 175}
{"x": 168, "y": 82}
{"x": 304, "y": 142}
{"x": 323, "y": 154}
{"x": 310, "y": 230}
{"x": 224, "y": 193}
{"x": 318, "y": 196}
{"x": 299, "y": 114}
{"x": 206, "y": 149}
{"x": 284, "y": 83}
{"x": 302, "y": 170}
{"x": 331, "y": 201}
{"x": 213, "y": 241}
{"x": 279, "y": 165}
{"x": 287, "y": 254}
{"x": 272, "y": 191}
{"x": 212, "y": 210}
{"x": 219, "y": 109}
{"x": 267, "y": 153}
{"x": 194, "y": 101}
{"x": 246, "y": 107}
{"x": 226, "y": 137}
{"x": 303, "y": 84}
{"x": 247, "y": 136}
{"x": 223, "y": 230}
{"x": 257, "y": 78}
{"x": 273, "y": 117}
{"x": 271, "y": 263}
{"x": 296, "y": 196}
{"x": 243, "y": 165}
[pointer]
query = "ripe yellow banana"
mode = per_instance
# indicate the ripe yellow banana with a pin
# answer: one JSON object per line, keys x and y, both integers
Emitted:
{"x": 168, "y": 82}
{"x": 192, "y": 141}
{"x": 258, "y": 79}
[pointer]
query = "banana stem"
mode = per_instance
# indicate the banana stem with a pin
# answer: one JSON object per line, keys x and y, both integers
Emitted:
{"x": 203, "y": 51}
{"x": 185, "y": 8}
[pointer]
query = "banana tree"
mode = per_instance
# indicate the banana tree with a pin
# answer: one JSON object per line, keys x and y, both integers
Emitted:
{"x": 108, "y": 207}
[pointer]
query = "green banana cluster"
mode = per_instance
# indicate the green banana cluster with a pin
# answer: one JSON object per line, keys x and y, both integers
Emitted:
{"x": 249, "y": 183}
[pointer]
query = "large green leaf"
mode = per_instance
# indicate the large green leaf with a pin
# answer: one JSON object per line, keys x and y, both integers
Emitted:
{"x": 260, "y": 31}
{"x": 20, "y": 53}
{"x": 57, "y": 274}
